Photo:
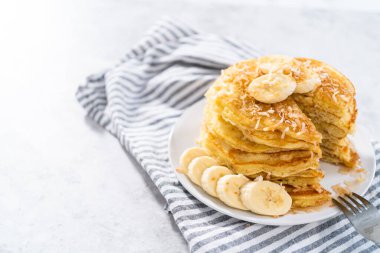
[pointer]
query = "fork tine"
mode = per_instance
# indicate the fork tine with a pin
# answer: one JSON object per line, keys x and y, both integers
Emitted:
{"x": 363, "y": 200}
{"x": 358, "y": 205}
{"x": 352, "y": 207}
{"x": 344, "y": 209}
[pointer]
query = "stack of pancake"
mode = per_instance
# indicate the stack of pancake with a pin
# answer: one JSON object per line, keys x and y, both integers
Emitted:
{"x": 280, "y": 141}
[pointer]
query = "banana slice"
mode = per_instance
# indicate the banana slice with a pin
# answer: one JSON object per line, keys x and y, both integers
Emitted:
{"x": 187, "y": 156}
{"x": 308, "y": 83}
{"x": 228, "y": 190}
{"x": 266, "y": 198}
{"x": 272, "y": 88}
{"x": 197, "y": 166}
{"x": 211, "y": 176}
{"x": 280, "y": 64}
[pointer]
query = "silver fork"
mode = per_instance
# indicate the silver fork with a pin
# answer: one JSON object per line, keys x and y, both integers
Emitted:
{"x": 362, "y": 214}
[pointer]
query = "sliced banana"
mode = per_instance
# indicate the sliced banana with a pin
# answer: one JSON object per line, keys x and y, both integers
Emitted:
{"x": 228, "y": 190}
{"x": 272, "y": 88}
{"x": 197, "y": 166}
{"x": 211, "y": 176}
{"x": 308, "y": 83}
{"x": 188, "y": 155}
{"x": 275, "y": 64}
{"x": 266, "y": 198}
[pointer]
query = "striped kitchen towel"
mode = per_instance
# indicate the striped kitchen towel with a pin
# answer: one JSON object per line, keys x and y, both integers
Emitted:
{"x": 140, "y": 99}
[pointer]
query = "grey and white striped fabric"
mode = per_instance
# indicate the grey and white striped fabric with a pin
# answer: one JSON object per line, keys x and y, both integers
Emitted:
{"x": 139, "y": 100}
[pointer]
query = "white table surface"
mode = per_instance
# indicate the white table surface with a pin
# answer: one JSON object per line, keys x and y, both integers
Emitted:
{"x": 65, "y": 184}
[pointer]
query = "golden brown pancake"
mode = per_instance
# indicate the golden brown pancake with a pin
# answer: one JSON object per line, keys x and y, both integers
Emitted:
{"x": 283, "y": 141}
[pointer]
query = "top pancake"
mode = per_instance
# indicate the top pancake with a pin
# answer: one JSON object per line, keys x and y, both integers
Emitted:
{"x": 230, "y": 97}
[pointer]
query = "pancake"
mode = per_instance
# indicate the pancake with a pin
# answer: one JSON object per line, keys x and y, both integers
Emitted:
{"x": 340, "y": 155}
{"x": 282, "y": 141}
{"x": 252, "y": 141}
{"x": 306, "y": 179}
{"x": 234, "y": 137}
{"x": 297, "y": 182}
{"x": 284, "y": 118}
{"x": 280, "y": 164}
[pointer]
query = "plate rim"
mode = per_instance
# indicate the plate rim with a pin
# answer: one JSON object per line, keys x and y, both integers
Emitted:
{"x": 222, "y": 208}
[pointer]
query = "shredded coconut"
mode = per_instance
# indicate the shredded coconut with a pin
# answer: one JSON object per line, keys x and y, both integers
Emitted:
{"x": 279, "y": 123}
{"x": 344, "y": 98}
{"x": 284, "y": 132}
{"x": 303, "y": 128}
{"x": 334, "y": 96}
{"x": 263, "y": 114}
{"x": 323, "y": 75}
{"x": 295, "y": 71}
{"x": 294, "y": 125}
{"x": 257, "y": 123}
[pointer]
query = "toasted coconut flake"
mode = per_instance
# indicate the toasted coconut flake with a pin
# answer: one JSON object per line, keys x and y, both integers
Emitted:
{"x": 288, "y": 122}
{"x": 344, "y": 98}
{"x": 294, "y": 125}
{"x": 263, "y": 114}
{"x": 284, "y": 132}
{"x": 270, "y": 111}
{"x": 266, "y": 129}
{"x": 278, "y": 123}
{"x": 334, "y": 96}
{"x": 257, "y": 123}
{"x": 323, "y": 75}
{"x": 303, "y": 127}
{"x": 295, "y": 71}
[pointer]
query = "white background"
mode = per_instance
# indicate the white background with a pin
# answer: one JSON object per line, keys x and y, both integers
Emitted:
{"x": 66, "y": 185}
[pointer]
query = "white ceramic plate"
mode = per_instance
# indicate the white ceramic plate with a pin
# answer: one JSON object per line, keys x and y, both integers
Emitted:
{"x": 187, "y": 130}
